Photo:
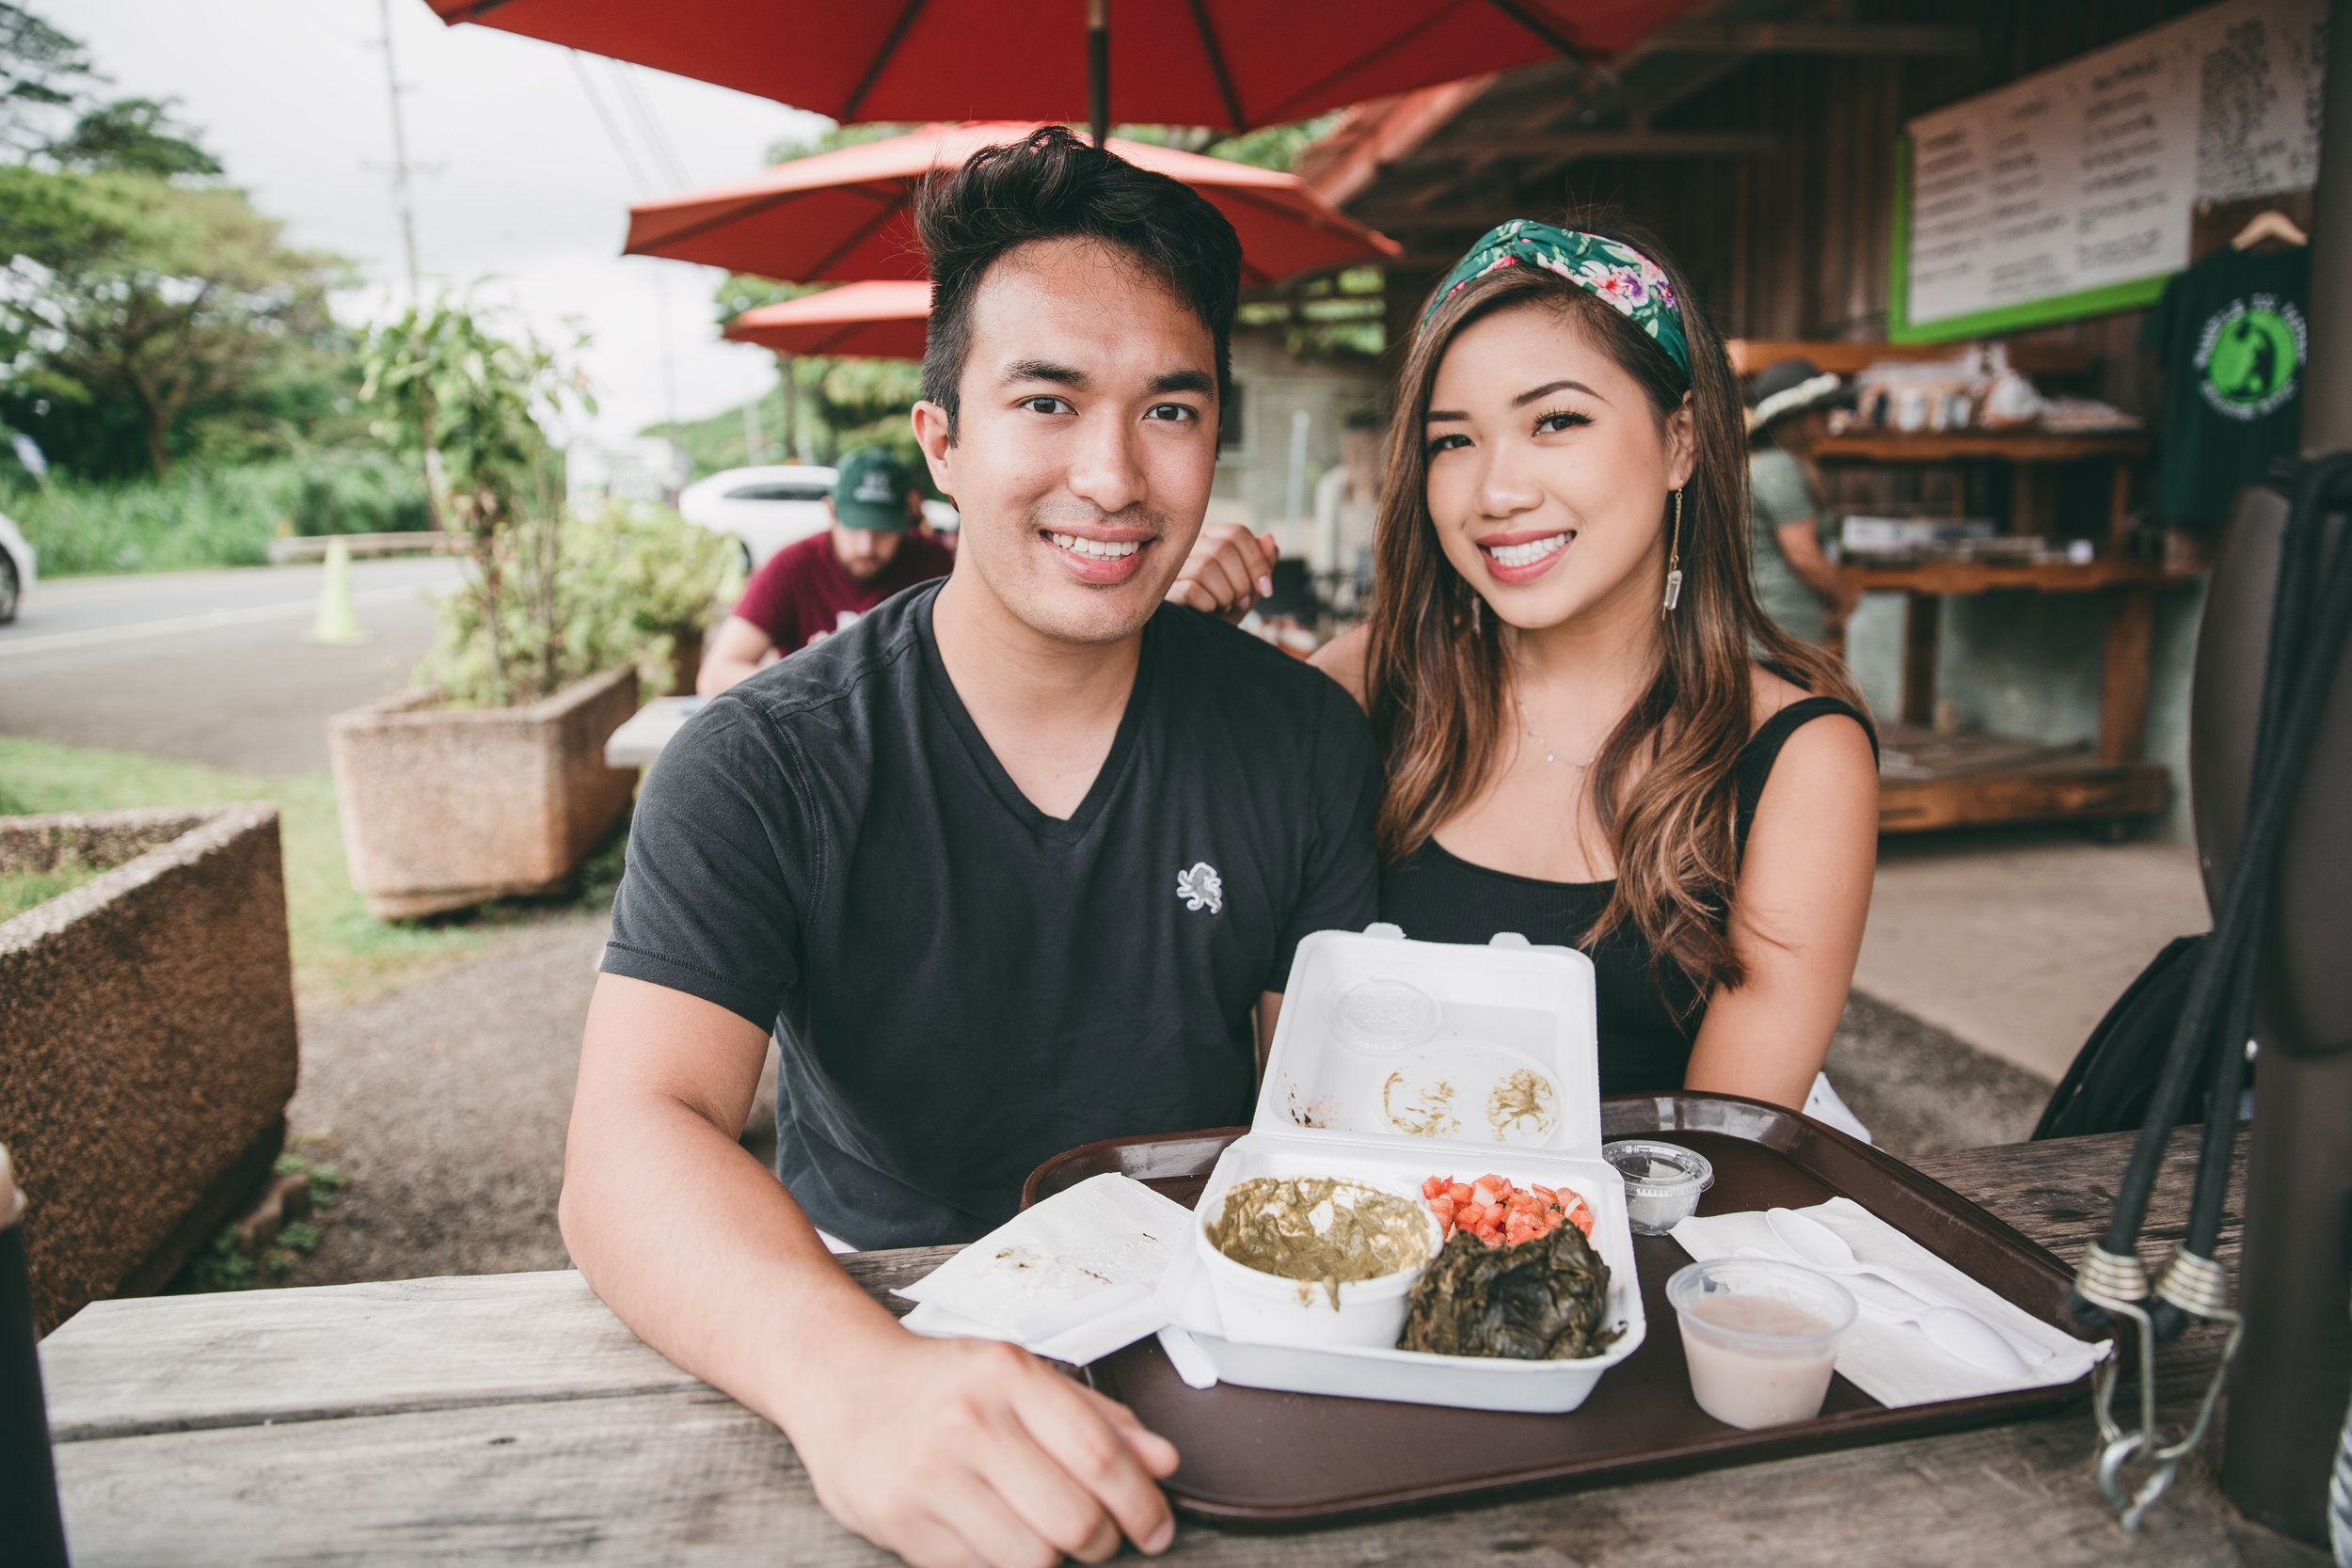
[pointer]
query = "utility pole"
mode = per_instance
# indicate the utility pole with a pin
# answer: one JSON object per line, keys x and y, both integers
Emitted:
{"x": 400, "y": 155}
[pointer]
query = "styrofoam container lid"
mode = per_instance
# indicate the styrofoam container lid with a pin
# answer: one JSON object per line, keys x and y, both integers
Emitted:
{"x": 1448, "y": 1043}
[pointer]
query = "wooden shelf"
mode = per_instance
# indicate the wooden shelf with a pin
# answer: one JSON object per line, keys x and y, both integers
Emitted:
{"x": 2067, "y": 790}
{"x": 2011, "y": 447}
{"x": 1955, "y": 578}
{"x": 1751, "y": 355}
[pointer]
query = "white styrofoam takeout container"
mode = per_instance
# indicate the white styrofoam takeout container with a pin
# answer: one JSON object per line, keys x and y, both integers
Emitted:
{"x": 1395, "y": 1061}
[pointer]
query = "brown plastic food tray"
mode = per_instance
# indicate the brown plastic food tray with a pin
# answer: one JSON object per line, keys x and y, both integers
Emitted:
{"x": 1255, "y": 1457}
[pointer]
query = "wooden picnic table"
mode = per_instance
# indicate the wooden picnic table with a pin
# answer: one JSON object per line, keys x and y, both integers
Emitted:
{"x": 511, "y": 1419}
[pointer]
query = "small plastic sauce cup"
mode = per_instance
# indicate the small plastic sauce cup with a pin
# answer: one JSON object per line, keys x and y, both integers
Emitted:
{"x": 1662, "y": 1181}
{"x": 1761, "y": 1337}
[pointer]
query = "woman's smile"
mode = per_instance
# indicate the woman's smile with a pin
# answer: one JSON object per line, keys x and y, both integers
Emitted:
{"x": 1523, "y": 555}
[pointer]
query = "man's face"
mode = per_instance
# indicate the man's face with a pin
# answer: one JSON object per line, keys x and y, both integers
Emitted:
{"x": 865, "y": 553}
{"x": 1087, "y": 441}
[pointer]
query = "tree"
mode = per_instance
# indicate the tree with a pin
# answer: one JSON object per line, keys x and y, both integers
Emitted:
{"x": 123, "y": 285}
{"x": 133, "y": 133}
{"x": 41, "y": 72}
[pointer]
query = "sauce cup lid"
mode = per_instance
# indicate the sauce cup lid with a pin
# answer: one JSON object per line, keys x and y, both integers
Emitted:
{"x": 1654, "y": 1170}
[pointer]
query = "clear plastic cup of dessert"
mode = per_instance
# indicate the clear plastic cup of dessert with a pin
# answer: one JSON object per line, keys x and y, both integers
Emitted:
{"x": 1761, "y": 1337}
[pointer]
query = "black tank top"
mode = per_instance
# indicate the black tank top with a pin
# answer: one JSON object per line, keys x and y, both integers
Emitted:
{"x": 1646, "y": 1029}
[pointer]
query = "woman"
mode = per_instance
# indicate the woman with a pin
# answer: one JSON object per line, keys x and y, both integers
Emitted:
{"x": 1796, "y": 585}
{"x": 1593, "y": 734}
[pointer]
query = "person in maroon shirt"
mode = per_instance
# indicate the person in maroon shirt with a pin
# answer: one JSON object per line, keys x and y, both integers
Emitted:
{"x": 807, "y": 592}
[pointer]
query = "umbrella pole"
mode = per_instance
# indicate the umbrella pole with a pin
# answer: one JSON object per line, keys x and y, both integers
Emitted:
{"x": 1099, "y": 68}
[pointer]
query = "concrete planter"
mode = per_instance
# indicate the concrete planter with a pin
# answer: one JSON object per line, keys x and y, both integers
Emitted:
{"x": 147, "y": 1040}
{"x": 444, "y": 809}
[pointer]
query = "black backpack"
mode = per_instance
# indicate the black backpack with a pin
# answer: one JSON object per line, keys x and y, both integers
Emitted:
{"x": 2113, "y": 1078}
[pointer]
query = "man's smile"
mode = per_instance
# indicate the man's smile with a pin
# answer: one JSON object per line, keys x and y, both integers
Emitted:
{"x": 1100, "y": 555}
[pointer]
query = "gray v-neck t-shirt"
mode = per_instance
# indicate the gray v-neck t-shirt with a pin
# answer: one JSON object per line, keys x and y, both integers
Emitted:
{"x": 962, "y": 986}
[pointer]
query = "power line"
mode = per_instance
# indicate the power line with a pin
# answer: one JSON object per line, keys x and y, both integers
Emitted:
{"x": 400, "y": 154}
{"x": 611, "y": 127}
{"x": 664, "y": 151}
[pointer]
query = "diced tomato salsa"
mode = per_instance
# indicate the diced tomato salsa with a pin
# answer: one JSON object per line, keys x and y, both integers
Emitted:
{"x": 1502, "y": 1214}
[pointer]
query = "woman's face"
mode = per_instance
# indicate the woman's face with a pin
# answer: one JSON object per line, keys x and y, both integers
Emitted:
{"x": 1550, "y": 470}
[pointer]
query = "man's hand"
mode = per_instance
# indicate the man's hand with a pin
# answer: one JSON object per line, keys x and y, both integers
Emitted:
{"x": 966, "y": 1451}
{"x": 1229, "y": 570}
{"x": 947, "y": 1451}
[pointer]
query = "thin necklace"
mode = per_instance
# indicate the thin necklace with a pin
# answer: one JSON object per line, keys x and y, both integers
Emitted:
{"x": 1537, "y": 736}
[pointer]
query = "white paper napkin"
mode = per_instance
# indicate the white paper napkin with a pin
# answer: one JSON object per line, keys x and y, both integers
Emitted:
{"x": 1897, "y": 1364}
{"x": 1073, "y": 1278}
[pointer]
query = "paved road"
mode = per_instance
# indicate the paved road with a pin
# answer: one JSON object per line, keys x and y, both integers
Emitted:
{"x": 210, "y": 666}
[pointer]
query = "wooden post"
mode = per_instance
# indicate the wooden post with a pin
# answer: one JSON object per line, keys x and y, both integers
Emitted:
{"x": 1923, "y": 625}
{"x": 2119, "y": 508}
{"x": 2123, "y": 703}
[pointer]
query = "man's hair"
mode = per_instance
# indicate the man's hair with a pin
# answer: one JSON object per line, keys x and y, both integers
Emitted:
{"x": 1054, "y": 186}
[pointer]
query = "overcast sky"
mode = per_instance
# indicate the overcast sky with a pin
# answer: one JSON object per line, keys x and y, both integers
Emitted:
{"x": 518, "y": 179}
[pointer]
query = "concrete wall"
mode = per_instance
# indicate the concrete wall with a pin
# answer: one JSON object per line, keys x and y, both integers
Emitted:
{"x": 147, "y": 1039}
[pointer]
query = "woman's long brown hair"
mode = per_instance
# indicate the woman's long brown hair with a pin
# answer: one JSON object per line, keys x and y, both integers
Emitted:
{"x": 1438, "y": 672}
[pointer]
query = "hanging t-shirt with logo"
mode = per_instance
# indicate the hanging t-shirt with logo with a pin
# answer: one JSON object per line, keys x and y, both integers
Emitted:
{"x": 2232, "y": 334}
{"x": 961, "y": 985}
{"x": 802, "y": 595}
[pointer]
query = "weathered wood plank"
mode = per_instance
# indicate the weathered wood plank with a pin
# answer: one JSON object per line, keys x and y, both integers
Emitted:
{"x": 2060, "y": 1193}
{"x": 692, "y": 1477}
{"x": 178, "y": 1363}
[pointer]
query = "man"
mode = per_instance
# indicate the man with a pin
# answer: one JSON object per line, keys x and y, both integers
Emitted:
{"x": 1006, "y": 867}
{"x": 812, "y": 589}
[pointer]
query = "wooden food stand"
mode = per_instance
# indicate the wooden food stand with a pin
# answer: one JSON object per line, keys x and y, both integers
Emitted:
{"x": 2108, "y": 785}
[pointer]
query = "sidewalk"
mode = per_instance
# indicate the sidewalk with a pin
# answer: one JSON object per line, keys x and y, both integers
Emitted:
{"x": 2016, "y": 943}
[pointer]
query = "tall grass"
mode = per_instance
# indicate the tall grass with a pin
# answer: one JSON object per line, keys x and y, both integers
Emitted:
{"x": 214, "y": 517}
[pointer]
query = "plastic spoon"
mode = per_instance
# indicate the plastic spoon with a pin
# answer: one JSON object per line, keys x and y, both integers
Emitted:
{"x": 1818, "y": 1246}
{"x": 1961, "y": 1332}
{"x": 1954, "y": 1329}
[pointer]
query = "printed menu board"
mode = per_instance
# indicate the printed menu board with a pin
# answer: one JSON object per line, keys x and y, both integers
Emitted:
{"x": 2071, "y": 192}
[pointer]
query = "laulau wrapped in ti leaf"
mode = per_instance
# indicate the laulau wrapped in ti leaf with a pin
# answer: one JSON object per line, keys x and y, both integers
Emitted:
{"x": 1543, "y": 1300}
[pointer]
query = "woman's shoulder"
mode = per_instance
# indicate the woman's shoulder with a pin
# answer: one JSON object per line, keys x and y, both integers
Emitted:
{"x": 1342, "y": 659}
{"x": 1772, "y": 698}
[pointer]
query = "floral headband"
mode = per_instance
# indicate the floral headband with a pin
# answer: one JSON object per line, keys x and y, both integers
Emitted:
{"x": 1626, "y": 279}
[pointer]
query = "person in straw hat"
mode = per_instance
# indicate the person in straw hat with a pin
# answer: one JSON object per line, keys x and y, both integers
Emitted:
{"x": 1804, "y": 595}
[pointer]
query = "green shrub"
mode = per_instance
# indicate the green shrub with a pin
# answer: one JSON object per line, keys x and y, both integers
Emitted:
{"x": 220, "y": 516}
{"x": 631, "y": 579}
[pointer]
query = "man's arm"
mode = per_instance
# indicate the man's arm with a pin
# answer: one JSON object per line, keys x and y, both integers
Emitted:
{"x": 735, "y": 653}
{"x": 945, "y": 1451}
{"x": 1800, "y": 541}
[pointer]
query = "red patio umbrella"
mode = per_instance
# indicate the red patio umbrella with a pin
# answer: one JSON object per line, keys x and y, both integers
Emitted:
{"x": 1232, "y": 63}
{"x": 876, "y": 321}
{"x": 844, "y": 214}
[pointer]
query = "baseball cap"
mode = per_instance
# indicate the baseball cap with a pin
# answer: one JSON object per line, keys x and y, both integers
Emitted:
{"x": 869, "y": 491}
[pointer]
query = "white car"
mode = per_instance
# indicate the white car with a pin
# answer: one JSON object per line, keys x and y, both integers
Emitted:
{"x": 763, "y": 509}
{"x": 766, "y": 508}
{"x": 16, "y": 570}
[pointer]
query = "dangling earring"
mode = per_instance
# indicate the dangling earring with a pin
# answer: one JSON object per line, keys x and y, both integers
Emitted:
{"x": 1674, "y": 559}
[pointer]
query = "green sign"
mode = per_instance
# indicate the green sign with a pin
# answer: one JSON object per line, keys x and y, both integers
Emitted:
{"x": 2101, "y": 301}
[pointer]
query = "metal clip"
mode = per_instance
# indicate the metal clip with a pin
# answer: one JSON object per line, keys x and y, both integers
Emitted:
{"x": 2201, "y": 1288}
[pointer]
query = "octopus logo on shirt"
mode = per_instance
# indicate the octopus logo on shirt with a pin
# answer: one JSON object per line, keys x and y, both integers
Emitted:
{"x": 1201, "y": 888}
{"x": 2248, "y": 353}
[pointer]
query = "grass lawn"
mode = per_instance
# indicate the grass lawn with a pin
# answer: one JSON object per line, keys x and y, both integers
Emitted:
{"x": 341, "y": 953}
